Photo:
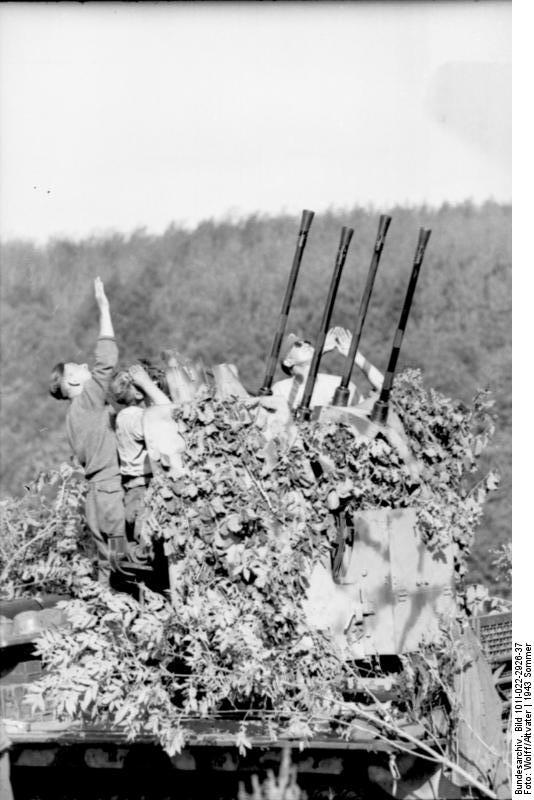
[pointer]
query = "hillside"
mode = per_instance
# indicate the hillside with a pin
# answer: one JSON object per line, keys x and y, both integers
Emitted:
{"x": 215, "y": 292}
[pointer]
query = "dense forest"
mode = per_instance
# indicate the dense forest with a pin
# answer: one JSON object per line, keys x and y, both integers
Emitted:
{"x": 215, "y": 292}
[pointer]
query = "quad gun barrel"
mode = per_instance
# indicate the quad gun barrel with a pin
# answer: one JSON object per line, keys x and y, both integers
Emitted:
{"x": 303, "y": 410}
{"x": 380, "y": 409}
{"x": 341, "y": 396}
{"x": 305, "y": 223}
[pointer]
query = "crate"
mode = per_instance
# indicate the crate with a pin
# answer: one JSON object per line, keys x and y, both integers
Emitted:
{"x": 14, "y": 707}
{"x": 14, "y": 689}
{"x": 495, "y": 634}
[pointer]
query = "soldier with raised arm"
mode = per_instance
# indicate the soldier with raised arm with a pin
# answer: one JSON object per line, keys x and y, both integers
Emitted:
{"x": 92, "y": 439}
{"x": 295, "y": 362}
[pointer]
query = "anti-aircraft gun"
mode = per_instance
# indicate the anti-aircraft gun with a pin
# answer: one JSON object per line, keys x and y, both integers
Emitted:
{"x": 397, "y": 594}
{"x": 382, "y": 593}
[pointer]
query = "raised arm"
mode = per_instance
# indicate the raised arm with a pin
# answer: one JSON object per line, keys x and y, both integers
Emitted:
{"x": 143, "y": 381}
{"x": 106, "y": 354}
{"x": 342, "y": 339}
{"x": 373, "y": 375}
{"x": 106, "y": 326}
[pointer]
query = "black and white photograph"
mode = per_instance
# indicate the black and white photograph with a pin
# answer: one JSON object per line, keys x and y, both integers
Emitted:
{"x": 256, "y": 403}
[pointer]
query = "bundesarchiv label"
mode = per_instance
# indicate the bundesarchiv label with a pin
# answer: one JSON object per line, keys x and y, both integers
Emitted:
{"x": 522, "y": 719}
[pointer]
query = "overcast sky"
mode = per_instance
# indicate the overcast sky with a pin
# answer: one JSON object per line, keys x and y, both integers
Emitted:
{"x": 120, "y": 116}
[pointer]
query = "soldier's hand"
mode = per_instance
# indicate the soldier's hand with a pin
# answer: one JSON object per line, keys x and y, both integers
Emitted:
{"x": 139, "y": 375}
{"x": 330, "y": 341}
{"x": 100, "y": 295}
{"x": 337, "y": 339}
{"x": 342, "y": 339}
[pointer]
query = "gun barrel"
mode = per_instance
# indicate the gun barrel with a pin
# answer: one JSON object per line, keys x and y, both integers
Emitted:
{"x": 303, "y": 410}
{"x": 380, "y": 408}
{"x": 305, "y": 223}
{"x": 341, "y": 395}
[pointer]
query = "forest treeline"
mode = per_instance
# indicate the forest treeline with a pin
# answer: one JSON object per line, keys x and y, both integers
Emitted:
{"x": 215, "y": 292}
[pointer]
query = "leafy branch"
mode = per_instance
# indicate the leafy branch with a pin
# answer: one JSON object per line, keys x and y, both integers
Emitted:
{"x": 243, "y": 528}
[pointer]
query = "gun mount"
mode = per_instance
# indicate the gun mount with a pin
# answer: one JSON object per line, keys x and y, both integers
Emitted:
{"x": 382, "y": 592}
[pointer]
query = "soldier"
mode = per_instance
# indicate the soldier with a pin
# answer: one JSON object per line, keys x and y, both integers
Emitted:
{"x": 134, "y": 389}
{"x": 295, "y": 361}
{"x": 92, "y": 439}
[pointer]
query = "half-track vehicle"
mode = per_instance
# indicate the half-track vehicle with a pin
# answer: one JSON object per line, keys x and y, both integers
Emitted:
{"x": 382, "y": 594}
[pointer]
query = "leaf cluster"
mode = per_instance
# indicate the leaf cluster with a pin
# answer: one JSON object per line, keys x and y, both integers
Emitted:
{"x": 448, "y": 437}
{"x": 213, "y": 292}
{"x": 44, "y": 541}
{"x": 243, "y": 527}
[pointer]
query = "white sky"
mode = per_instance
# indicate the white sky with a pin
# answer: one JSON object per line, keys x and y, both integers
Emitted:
{"x": 119, "y": 116}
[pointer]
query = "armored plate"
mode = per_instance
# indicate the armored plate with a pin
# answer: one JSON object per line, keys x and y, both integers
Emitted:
{"x": 390, "y": 593}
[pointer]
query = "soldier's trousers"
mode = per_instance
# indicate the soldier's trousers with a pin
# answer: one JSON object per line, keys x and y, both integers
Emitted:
{"x": 104, "y": 511}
